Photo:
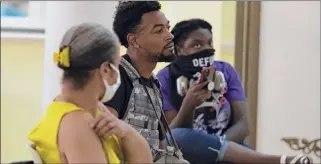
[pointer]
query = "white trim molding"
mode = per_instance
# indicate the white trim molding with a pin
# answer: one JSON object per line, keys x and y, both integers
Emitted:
{"x": 21, "y": 35}
{"x": 32, "y": 26}
{"x": 228, "y": 44}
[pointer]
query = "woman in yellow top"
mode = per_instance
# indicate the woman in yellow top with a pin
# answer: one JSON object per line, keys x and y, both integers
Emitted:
{"x": 89, "y": 57}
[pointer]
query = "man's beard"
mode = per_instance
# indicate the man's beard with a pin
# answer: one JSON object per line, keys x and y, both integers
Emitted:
{"x": 157, "y": 57}
{"x": 164, "y": 58}
{"x": 168, "y": 58}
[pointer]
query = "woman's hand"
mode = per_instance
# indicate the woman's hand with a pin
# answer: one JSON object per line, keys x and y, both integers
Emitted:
{"x": 102, "y": 107}
{"x": 108, "y": 124}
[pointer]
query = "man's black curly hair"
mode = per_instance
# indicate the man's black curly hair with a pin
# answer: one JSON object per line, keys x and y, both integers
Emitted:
{"x": 182, "y": 29}
{"x": 129, "y": 14}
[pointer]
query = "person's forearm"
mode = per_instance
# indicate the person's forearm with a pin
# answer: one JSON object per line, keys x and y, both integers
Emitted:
{"x": 133, "y": 154}
{"x": 184, "y": 118}
{"x": 238, "y": 132}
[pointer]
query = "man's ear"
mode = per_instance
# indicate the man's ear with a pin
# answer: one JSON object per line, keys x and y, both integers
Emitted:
{"x": 132, "y": 40}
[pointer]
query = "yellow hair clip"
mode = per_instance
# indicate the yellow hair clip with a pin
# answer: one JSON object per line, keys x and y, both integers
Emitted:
{"x": 62, "y": 58}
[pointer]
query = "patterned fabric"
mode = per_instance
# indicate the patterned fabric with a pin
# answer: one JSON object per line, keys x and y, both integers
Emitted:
{"x": 140, "y": 113}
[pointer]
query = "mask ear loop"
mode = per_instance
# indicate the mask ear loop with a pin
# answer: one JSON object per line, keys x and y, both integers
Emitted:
{"x": 116, "y": 70}
{"x": 112, "y": 66}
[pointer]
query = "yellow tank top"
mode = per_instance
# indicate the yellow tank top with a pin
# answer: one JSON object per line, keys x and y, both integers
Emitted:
{"x": 44, "y": 135}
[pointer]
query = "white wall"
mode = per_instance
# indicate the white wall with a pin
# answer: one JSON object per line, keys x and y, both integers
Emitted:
{"x": 289, "y": 75}
{"x": 57, "y": 23}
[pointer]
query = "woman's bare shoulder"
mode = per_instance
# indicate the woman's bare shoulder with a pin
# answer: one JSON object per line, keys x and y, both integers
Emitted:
{"x": 74, "y": 124}
{"x": 76, "y": 138}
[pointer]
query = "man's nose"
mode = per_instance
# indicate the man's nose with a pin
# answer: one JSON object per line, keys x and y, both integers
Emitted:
{"x": 169, "y": 36}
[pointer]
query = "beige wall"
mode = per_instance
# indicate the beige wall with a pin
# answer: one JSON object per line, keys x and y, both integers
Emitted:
{"x": 228, "y": 23}
{"x": 289, "y": 76}
{"x": 21, "y": 89}
{"x": 208, "y": 10}
{"x": 22, "y": 72}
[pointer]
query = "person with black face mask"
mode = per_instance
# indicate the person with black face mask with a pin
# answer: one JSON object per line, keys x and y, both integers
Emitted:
{"x": 199, "y": 117}
{"x": 193, "y": 63}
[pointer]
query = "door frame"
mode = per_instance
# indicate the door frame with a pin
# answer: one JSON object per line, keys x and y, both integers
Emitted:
{"x": 247, "y": 37}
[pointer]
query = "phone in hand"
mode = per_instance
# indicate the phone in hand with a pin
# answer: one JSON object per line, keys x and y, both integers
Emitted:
{"x": 208, "y": 74}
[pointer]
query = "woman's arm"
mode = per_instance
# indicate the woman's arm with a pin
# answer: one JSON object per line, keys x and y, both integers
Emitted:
{"x": 77, "y": 141}
{"x": 135, "y": 146}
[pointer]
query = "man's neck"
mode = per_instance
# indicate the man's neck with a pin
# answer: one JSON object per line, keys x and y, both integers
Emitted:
{"x": 141, "y": 63}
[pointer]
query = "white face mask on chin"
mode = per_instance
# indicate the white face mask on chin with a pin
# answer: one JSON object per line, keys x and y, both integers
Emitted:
{"x": 111, "y": 89}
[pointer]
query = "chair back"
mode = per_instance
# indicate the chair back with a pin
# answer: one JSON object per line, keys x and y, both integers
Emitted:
{"x": 35, "y": 156}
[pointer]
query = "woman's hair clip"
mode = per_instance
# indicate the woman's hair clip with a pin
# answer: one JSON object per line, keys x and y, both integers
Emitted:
{"x": 62, "y": 58}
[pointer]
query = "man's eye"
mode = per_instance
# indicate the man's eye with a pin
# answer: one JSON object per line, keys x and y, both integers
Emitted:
{"x": 159, "y": 31}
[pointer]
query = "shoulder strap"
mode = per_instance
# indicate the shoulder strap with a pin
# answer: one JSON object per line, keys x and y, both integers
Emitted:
{"x": 165, "y": 126}
{"x": 131, "y": 71}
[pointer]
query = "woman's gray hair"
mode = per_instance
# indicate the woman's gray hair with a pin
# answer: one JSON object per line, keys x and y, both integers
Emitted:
{"x": 90, "y": 45}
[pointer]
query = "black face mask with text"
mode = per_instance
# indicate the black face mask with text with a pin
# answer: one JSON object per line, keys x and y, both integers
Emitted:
{"x": 189, "y": 65}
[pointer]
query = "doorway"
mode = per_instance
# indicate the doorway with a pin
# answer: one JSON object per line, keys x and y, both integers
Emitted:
{"x": 246, "y": 57}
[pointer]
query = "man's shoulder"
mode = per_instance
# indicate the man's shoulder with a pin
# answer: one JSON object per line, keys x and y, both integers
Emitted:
{"x": 126, "y": 81}
{"x": 125, "y": 72}
{"x": 122, "y": 71}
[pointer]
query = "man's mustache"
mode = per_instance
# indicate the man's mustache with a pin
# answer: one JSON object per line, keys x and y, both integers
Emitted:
{"x": 169, "y": 44}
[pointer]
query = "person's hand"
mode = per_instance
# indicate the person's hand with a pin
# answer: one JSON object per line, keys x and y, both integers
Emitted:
{"x": 108, "y": 124}
{"x": 197, "y": 94}
{"x": 103, "y": 107}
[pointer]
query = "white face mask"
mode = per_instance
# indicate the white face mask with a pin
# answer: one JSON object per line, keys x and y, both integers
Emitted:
{"x": 111, "y": 89}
